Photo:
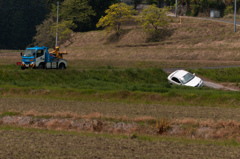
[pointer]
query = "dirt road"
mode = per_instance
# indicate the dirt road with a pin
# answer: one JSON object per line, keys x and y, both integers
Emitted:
{"x": 206, "y": 82}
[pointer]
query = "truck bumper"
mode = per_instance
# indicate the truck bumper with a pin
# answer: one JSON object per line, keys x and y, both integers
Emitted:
{"x": 28, "y": 65}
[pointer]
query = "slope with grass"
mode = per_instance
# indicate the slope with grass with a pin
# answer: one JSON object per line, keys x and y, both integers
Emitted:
{"x": 194, "y": 42}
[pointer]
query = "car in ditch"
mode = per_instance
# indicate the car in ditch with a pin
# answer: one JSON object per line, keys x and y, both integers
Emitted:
{"x": 185, "y": 78}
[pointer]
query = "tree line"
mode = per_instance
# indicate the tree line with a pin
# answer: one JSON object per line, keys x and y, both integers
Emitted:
{"x": 25, "y": 23}
{"x": 21, "y": 20}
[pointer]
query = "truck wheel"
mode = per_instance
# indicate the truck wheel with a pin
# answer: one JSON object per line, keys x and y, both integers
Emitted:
{"x": 41, "y": 66}
{"x": 23, "y": 68}
{"x": 61, "y": 66}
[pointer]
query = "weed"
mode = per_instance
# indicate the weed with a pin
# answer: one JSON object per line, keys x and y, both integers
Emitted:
{"x": 134, "y": 136}
{"x": 163, "y": 126}
{"x": 9, "y": 114}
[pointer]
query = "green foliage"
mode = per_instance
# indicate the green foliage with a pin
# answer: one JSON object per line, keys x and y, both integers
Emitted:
{"x": 228, "y": 10}
{"x": 153, "y": 19}
{"x": 150, "y": 2}
{"x": 73, "y": 13}
{"x": 77, "y": 11}
{"x": 44, "y": 36}
{"x": 18, "y": 21}
{"x": 99, "y": 7}
{"x": 115, "y": 16}
{"x": 9, "y": 114}
{"x": 147, "y": 80}
{"x": 221, "y": 74}
{"x": 194, "y": 9}
{"x": 64, "y": 29}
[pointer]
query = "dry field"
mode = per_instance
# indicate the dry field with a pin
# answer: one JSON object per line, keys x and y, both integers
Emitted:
{"x": 30, "y": 144}
{"x": 119, "y": 109}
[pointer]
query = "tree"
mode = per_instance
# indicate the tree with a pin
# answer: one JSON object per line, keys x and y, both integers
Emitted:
{"x": 154, "y": 19}
{"x": 136, "y": 2}
{"x": 44, "y": 36}
{"x": 99, "y": 7}
{"x": 115, "y": 16}
{"x": 18, "y": 20}
{"x": 77, "y": 11}
{"x": 64, "y": 29}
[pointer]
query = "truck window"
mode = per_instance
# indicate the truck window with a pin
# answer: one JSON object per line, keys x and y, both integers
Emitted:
{"x": 39, "y": 53}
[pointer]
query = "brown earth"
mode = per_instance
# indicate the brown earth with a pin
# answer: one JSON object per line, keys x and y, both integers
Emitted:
{"x": 32, "y": 144}
{"x": 129, "y": 110}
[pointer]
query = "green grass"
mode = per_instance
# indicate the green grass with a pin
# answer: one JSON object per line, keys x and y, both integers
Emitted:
{"x": 145, "y": 80}
{"x": 114, "y": 85}
{"x": 221, "y": 74}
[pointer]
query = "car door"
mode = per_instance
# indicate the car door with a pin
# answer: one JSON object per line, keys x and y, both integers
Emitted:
{"x": 176, "y": 81}
{"x": 40, "y": 57}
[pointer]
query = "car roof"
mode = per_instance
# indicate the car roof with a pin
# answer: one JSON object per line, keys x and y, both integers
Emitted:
{"x": 179, "y": 73}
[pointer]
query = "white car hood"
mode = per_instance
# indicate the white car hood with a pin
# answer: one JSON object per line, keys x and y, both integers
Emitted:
{"x": 194, "y": 82}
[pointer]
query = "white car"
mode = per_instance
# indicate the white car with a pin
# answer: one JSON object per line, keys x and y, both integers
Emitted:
{"x": 182, "y": 77}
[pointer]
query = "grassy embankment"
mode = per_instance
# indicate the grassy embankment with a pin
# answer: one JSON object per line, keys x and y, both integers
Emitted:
{"x": 130, "y": 85}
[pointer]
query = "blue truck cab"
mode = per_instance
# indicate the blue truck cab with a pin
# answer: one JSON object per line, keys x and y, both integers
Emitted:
{"x": 39, "y": 57}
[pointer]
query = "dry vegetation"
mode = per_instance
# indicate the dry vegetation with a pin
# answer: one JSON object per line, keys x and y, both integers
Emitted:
{"x": 22, "y": 144}
{"x": 132, "y": 111}
{"x": 195, "y": 42}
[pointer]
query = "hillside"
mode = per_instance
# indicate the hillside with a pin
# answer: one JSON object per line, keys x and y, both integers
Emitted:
{"x": 193, "y": 42}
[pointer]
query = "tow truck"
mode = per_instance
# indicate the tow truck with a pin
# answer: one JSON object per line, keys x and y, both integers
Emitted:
{"x": 39, "y": 57}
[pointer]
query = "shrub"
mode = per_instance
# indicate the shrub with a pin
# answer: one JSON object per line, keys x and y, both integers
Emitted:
{"x": 195, "y": 9}
{"x": 163, "y": 126}
{"x": 228, "y": 10}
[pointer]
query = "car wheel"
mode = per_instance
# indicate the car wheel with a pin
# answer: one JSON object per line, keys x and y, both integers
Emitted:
{"x": 41, "y": 66}
{"x": 61, "y": 66}
{"x": 23, "y": 68}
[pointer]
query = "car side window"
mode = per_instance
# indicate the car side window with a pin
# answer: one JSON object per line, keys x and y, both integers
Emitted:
{"x": 176, "y": 80}
{"x": 39, "y": 53}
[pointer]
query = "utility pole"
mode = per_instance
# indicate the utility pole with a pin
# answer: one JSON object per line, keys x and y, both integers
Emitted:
{"x": 235, "y": 10}
{"x": 57, "y": 24}
{"x": 176, "y": 8}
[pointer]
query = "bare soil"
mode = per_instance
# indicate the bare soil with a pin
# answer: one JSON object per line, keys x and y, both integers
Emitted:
{"x": 27, "y": 144}
{"x": 119, "y": 109}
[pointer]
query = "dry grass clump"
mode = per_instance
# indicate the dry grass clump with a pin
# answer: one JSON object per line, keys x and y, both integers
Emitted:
{"x": 208, "y": 129}
{"x": 59, "y": 124}
{"x": 97, "y": 122}
{"x": 189, "y": 121}
{"x": 93, "y": 115}
{"x": 163, "y": 126}
{"x": 144, "y": 118}
{"x": 207, "y": 123}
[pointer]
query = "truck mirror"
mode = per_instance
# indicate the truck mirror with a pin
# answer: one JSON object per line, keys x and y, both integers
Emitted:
{"x": 34, "y": 54}
{"x": 21, "y": 53}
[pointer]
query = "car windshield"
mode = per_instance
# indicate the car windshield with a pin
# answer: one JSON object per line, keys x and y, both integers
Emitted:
{"x": 29, "y": 52}
{"x": 186, "y": 78}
